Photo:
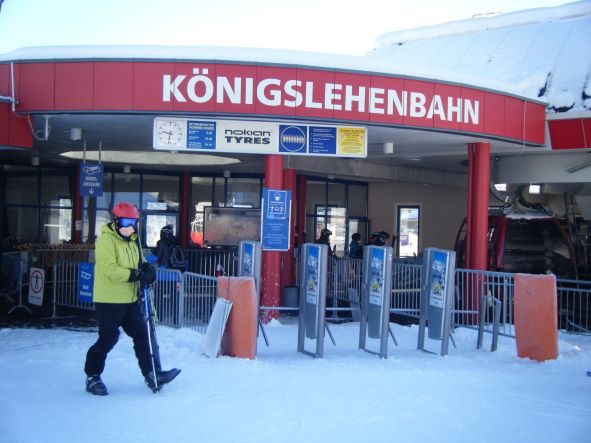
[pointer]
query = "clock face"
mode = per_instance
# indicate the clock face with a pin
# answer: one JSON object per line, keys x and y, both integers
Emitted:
{"x": 170, "y": 133}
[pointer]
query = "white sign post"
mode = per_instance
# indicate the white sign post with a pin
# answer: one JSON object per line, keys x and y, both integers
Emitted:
{"x": 36, "y": 286}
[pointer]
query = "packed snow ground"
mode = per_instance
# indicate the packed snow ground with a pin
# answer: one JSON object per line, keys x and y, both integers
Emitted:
{"x": 284, "y": 396}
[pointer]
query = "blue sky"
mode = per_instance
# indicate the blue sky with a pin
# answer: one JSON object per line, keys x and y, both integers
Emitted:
{"x": 332, "y": 26}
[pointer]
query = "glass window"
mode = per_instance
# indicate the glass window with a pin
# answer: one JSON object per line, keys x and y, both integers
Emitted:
{"x": 160, "y": 192}
{"x": 127, "y": 189}
{"x": 154, "y": 223}
{"x": 201, "y": 193}
{"x": 102, "y": 218}
{"x": 54, "y": 188}
{"x": 357, "y": 201}
{"x": 408, "y": 230}
{"x": 244, "y": 192}
{"x": 22, "y": 224}
{"x": 57, "y": 225}
{"x": 219, "y": 192}
{"x": 336, "y": 194}
{"x": 22, "y": 189}
{"x": 316, "y": 195}
{"x": 104, "y": 201}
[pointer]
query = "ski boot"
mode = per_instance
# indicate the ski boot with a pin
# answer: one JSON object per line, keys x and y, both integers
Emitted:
{"x": 95, "y": 385}
{"x": 162, "y": 378}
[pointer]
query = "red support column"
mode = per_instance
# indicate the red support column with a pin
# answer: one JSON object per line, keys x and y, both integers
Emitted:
{"x": 302, "y": 185}
{"x": 479, "y": 206}
{"x": 289, "y": 183}
{"x": 185, "y": 204}
{"x": 476, "y": 226}
{"x": 271, "y": 262}
{"x": 469, "y": 209}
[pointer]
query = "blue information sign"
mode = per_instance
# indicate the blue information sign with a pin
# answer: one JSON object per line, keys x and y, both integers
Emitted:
{"x": 85, "y": 282}
{"x": 91, "y": 180}
{"x": 293, "y": 139}
{"x": 201, "y": 135}
{"x": 276, "y": 218}
{"x": 323, "y": 140}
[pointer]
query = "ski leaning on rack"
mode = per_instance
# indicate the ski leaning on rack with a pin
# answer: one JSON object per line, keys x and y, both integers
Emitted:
{"x": 158, "y": 377}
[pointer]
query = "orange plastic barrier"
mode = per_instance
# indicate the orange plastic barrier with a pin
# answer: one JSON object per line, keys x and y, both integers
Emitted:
{"x": 240, "y": 336}
{"x": 536, "y": 324}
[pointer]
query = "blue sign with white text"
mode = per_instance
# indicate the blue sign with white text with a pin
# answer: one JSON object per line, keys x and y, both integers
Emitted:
{"x": 85, "y": 282}
{"x": 276, "y": 219}
{"x": 323, "y": 140}
{"x": 200, "y": 135}
{"x": 91, "y": 179}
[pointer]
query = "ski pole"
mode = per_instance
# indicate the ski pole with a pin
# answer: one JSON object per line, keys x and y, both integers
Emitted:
{"x": 147, "y": 302}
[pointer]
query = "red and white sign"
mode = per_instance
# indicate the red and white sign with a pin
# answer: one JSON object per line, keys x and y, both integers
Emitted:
{"x": 36, "y": 286}
{"x": 166, "y": 87}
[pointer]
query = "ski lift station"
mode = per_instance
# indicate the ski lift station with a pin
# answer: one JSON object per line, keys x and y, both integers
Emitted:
{"x": 432, "y": 127}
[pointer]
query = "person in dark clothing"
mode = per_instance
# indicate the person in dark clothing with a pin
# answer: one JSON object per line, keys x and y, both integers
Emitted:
{"x": 119, "y": 268}
{"x": 381, "y": 238}
{"x": 324, "y": 239}
{"x": 355, "y": 248}
{"x": 168, "y": 251}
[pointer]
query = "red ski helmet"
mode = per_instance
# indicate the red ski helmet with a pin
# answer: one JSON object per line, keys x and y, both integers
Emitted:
{"x": 125, "y": 210}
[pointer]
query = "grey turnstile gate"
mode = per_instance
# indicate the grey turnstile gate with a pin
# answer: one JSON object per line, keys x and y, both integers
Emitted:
{"x": 313, "y": 270}
{"x": 376, "y": 288}
{"x": 249, "y": 265}
{"x": 437, "y": 296}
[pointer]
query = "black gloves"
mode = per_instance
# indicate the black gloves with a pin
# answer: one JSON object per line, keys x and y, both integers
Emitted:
{"x": 146, "y": 275}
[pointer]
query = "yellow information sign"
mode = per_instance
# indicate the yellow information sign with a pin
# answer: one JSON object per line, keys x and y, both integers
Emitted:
{"x": 351, "y": 141}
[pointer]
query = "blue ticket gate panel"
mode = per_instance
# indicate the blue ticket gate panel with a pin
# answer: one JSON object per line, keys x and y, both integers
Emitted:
{"x": 376, "y": 290}
{"x": 437, "y": 296}
{"x": 249, "y": 261}
{"x": 313, "y": 282}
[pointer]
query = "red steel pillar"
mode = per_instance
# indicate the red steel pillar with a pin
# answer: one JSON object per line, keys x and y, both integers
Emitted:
{"x": 302, "y": 185}
{"x": 480, "y": 172}
{"x": 289, "y": 184}
{"x": 476, "y": 226}
{"x": 271, "y": 262}
{"x": 183, "y": 232}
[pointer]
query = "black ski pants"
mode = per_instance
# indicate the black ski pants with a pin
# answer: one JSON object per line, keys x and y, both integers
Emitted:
{"x": 110, "y": 317}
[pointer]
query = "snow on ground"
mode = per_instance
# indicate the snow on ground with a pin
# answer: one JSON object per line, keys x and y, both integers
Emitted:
{"x": 284, "y": 396}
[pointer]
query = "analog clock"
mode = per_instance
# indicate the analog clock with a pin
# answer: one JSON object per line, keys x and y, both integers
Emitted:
{"x": 170, "y": 133}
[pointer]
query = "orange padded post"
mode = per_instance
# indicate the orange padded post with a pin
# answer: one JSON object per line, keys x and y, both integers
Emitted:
{"x": 240, "y": 335}
{"x": 536, "y": 323}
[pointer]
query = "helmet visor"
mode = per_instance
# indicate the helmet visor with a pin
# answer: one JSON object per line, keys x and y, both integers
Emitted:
{"x": 125, "y": 222}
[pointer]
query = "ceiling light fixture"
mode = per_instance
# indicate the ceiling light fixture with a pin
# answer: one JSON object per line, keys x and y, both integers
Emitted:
{"x": 153, "y": 158}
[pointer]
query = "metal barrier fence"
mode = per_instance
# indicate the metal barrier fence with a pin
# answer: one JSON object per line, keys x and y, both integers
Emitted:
{"x": 212, "y": 262}
{"x": 187, "y": 299}
{"x": 200, "y": 292}
{"x": 574, "y": 305}
{"x": 344, "y": 285}
{"x": 65, "y": 287}
{"x": 406, "y": 290}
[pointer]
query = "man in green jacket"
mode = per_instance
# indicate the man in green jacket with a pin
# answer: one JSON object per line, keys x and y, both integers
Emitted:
{"x": 119, "y": 268}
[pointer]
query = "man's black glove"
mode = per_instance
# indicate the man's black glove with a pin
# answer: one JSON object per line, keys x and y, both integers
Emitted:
{"x": 146, "y": 275}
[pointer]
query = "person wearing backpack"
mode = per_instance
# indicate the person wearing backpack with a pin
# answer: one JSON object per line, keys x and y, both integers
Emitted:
{"x": 168, "y": 251}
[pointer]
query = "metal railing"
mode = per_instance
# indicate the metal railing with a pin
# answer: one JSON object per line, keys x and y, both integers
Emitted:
{"x": 187, "y": 299}
{"x": 574, "y": 305}
{"x": 212, "y": 262}
{"x": 65, "y": 287}
{"x": 470, "y": 286}
{"x": 344, "y": 285}
{"x": 406, "y": 290}
{"x": 199, "y": 296}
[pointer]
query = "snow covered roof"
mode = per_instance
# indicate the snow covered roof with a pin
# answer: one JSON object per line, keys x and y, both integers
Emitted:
{"x": 543, "y": 53}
